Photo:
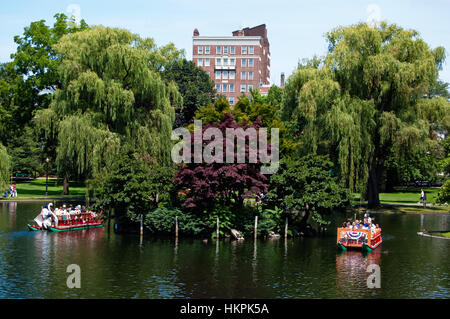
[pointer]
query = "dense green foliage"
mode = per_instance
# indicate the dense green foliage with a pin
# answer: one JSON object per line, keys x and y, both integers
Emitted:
{"x": 131, "y": 186}
{"x": 5, "y": 167}
{"x": 307, "y": 185}
{"x": 162, "y": 221}
{"x": 194, "y": 85}
{"x": 443, "y": 196}
{"x": 26, "y": 85}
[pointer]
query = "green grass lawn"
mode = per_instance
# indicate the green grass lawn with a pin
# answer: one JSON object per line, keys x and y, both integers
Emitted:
{"x": 36, "y": 188}
{"x": 393, "y": 202}
{"x": 447, "y": 234}
{"x": 405, "y": 196}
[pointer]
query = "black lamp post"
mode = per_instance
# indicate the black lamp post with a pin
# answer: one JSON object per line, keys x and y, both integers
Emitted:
{"x": 46, "y": 176}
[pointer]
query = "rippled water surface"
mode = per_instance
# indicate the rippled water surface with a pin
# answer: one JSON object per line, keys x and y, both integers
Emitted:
{"x": 34, "y": 264}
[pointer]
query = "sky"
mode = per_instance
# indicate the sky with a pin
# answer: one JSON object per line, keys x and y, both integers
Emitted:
{"x": 296, "y": 29}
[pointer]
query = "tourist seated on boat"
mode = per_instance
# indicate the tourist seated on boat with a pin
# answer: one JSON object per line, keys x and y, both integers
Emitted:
{"x": 365, "y": 223}
{"x": 58, "y": 212}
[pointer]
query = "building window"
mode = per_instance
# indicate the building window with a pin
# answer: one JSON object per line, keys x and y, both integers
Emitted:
{"x": 244, "y": 50}
{"x": 231, "y": 87}
{"x": 231, "y": 75}
{"x": 250, "y": 62}
{"x": 224, "y": 75}
{"x": 232, "y": 61}
{"x": 243, "y": 75}
{"x": 231, "y": 100}
{"x": 250, "y": 86}
{"x": 225, "y": 61}
{"x": 225, "y": 50}
{"x": 242, "y": 88}
{"x": 207, "y": 62}
{"x": 243, "y": 62}
{"x": 207, "y": 49}
{"x": 217, "y": 75}
{"x": 251, "y": 49}
{"x": 218, "y": 50}
{"x": 218, "y": 61}
{"x": 232, "y": 49}
{"x": 200, "y": 62}
{"x": 218, "y": 87}
{"x": 250, "y": 75}
{"x": 200, "y": 49}
{"x": 224, "y": 87}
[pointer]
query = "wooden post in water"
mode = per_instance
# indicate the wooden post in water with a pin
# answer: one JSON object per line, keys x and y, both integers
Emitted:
{"x": 256, "y": 226}
{"x": 176, "y": 226}
{"x": 217, "y": 230}
{"x": 286, "y": 228}
{"x": 142, "y": 225}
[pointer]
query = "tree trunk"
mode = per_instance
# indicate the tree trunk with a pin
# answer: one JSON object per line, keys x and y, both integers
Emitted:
{"x": 66, "y": 184}
{"x": 373, "y": 194}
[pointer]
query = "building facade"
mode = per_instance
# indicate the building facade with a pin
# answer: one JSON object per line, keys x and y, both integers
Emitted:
{"x": 235, "y": 63}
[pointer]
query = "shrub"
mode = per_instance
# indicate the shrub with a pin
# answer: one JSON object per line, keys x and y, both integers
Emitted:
{"x": 162, "y": 221}
{"x": 443, "y": 195}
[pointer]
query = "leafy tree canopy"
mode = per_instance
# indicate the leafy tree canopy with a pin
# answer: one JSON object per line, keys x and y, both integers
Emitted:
{"x": 194, "y": 85}
{"x": 112, "y": 94}
{"x": 367, "y": 98}
{"x": 131, "y": 186}
{"x": 307, "y": 184}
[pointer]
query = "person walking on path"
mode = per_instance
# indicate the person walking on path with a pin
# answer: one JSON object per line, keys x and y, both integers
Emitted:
{"x": 423, "y": 197}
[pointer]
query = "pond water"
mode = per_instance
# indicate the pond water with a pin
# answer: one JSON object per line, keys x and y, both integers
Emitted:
{"x": 34, "y": 264}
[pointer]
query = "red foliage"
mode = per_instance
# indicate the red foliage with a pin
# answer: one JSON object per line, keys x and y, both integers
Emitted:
{"x": 214, "y": 184}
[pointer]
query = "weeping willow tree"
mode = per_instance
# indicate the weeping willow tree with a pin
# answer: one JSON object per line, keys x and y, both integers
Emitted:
{"x": 111, "y": 95}
{"x": 5, "y": 167}
{"x": 367, "y": 99}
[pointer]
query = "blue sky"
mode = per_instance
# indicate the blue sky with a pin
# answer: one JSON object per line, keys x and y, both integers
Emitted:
{"x": 296, "y": 29}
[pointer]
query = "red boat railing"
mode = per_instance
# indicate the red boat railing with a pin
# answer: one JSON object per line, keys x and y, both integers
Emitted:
{"x": 357, "y": 237}
{"x": 78, "y": 219}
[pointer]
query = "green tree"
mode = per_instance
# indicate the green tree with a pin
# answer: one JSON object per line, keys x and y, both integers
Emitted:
{"x": 131, "y": 186}
{"x": 33, "y": 71}
{"x": 5, "y": 167}
{"x": 195, "y": 86}
{"x": 366, "y": 100}
{"x": 26, "y": 85}
{"x": 307, "y": 185}
{"x": 112, "y": 95}
{"x": 25, "y": 152}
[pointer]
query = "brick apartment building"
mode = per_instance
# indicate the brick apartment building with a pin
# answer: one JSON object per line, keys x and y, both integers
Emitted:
{"x": 235, "y": 63}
